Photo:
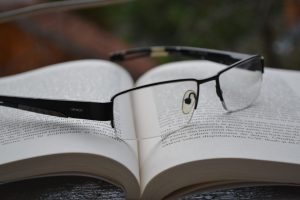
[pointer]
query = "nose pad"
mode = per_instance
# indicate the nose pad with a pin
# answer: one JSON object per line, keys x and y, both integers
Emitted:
{"x": 188, "y": 102}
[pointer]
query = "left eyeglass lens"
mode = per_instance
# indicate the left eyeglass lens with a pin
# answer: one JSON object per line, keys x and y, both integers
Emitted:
{"x": 158, "y": 110}
{"x": 241, "y": 84}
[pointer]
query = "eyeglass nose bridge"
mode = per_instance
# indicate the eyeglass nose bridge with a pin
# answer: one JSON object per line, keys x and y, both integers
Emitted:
{"x": 218, "y": 89}
{"x": 220, "y": 93}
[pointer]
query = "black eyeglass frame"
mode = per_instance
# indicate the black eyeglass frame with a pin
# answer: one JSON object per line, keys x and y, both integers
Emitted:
{"x": 104, "y": 111}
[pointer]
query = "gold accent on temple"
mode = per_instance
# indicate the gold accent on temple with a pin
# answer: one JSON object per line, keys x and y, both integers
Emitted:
{"x": 158, "y": 52}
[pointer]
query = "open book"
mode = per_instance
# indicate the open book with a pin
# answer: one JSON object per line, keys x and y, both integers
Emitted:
{"x": 257, "y": 145}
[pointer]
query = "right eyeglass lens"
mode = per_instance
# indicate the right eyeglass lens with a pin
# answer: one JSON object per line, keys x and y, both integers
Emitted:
{"x": 159, "y": 110}
{"x": 241, "y": 85}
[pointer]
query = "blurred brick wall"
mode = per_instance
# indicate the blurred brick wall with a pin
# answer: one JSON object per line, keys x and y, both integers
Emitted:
{"x": 22, "y": 51}
{"x": 47, "y": 39}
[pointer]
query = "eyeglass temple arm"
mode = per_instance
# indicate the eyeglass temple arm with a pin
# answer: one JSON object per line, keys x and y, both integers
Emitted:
{"x": 61, "y": 108}
{"x": 224, "y": 57}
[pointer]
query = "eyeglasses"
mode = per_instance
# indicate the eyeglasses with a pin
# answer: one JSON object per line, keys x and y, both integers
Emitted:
{"x": 173, "y": 101}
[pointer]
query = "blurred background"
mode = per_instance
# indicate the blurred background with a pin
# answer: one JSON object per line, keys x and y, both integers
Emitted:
{"x": 270, "y": 28}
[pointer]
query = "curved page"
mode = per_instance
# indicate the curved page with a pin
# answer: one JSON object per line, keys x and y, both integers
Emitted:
{"x": 26, "y": 135}
{"x": 268, "y": 130}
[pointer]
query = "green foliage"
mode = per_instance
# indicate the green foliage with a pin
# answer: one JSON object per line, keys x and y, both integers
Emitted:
{"x": 236, "y": 25}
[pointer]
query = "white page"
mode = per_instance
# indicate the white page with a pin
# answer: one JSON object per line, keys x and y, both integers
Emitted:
{"x": 25, "y": 134}
{"x": 268, "y": 130}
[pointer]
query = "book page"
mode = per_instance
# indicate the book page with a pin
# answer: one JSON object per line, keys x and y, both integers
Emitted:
{"x": 267, "y": 130}
{"x": 26, "y": 135}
